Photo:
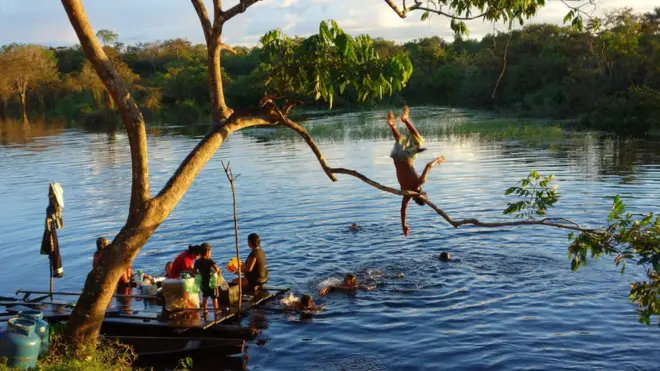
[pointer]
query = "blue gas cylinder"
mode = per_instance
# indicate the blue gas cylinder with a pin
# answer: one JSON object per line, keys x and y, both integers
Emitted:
{"x": 20, "y": 344}
{"x": 42, "y": 329}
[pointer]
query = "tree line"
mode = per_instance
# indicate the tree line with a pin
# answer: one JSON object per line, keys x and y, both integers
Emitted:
{"x": 608, "y": 75}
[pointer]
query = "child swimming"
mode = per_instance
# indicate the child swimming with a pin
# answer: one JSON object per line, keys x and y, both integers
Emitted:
{"x": 303, "y": 304}
{"x": 350, "y": 283}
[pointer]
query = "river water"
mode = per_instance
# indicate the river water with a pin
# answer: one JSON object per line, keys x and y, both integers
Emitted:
{"x": 508, "y": 300}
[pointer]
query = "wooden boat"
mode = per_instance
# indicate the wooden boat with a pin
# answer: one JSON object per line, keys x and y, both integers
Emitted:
{"x": 160, "y": 348}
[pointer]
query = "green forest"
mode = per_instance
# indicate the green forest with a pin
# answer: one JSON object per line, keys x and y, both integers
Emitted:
{"x": 606, "y": 77}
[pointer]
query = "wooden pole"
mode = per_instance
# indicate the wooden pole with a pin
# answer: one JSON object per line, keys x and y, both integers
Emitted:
{"x": 51, "y": 279}
{"x": 231, "y": 179}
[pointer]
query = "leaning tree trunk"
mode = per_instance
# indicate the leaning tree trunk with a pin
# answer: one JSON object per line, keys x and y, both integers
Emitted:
{"x": 145, "y": 213}
{"x": 87, "y": 317}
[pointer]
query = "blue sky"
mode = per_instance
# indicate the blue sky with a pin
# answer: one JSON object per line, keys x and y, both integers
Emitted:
{"x": 45, "y": 22}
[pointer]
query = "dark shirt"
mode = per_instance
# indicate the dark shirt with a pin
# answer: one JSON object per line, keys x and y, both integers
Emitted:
{"x": 204, "y": 266}
{"x": 259, "y": 273}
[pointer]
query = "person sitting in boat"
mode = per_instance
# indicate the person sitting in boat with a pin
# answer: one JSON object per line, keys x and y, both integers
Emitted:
{"x": 255, "y": 269}
{"x": 403, "y": 154}
{"x": 184, "y": 262}
{"x": 101, "y": 245}
{"x": 148, "y": 279}
{"x": 205, "y": 266}
{"x": 350, "y": 284}
{"x": 126, "y": 278}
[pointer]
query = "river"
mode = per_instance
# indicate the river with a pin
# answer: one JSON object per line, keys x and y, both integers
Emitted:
{"x": 508, "y": 300}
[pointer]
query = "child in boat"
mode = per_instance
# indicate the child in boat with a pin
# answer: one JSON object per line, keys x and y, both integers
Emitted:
{"x": 350, "y": 283}
{"x": 205, "y": 266}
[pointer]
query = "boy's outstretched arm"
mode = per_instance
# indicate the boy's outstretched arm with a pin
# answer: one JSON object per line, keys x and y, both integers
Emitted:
{"x": 404, "y": 206}
{"x": 425, "y": 173}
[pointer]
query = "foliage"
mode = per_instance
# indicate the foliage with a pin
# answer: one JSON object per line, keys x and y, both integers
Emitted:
{"x": 609, "y": 74}
{"x": 324, "y": 65}
{"x": 631, "y": 239}
{"x": 108, "y": 356}
{"x": 185, "y": 364}
{"x": 537, "y": 196}
{"x": 636, "y": 112}
{"x": 107, "y": 36}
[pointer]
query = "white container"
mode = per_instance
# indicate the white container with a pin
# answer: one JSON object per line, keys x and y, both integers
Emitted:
{"x": 176, "y": 297}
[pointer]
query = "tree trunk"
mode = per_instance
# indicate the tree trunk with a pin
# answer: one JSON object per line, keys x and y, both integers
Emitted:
{"x": 23, "y": 95}
{"x": 101, "y": 282}
{"x": 3, "y": 110}
{"x": 219, "y": 109}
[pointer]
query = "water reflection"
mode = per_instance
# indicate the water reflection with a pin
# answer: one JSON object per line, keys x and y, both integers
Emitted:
{"x": 14, "y": 132}
{"x": 500, "y": 305}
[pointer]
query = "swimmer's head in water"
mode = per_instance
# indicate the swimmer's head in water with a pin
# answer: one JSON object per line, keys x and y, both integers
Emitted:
{"x": 307, "y": 301}
{"x": 350, "y": 280}
{"x": 445, "y": 256}
{"x": 354, "y": 227}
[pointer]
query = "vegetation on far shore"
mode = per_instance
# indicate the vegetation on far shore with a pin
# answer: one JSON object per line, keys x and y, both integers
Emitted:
{"x": 608, "y": 77}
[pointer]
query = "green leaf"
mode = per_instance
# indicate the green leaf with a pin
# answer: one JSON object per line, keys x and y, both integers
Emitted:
{"x": 425, "y": 16}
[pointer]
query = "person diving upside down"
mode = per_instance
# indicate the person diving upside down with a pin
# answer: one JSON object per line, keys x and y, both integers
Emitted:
{"x": 403, "y": 154}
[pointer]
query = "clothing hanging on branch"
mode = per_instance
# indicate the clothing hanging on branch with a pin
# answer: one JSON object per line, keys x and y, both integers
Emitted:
{"x": 49, "y": 243}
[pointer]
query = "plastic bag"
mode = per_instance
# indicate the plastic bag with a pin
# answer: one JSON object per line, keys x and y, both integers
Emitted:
{"x": 190, "y": 285}
{"x": 213, "y": 280}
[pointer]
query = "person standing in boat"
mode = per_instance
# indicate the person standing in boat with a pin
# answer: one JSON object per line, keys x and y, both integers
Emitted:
{"x": 101, "y": 245}
{"x": 185, "y": 261}
{"x": 403, "y": 154}
{"x": 206, "y": 266}
{"x": 255, "y": 270}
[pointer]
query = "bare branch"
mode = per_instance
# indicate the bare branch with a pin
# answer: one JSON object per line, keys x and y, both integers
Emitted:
{"x": 130, "y": 113}
{"x": 203, "y": 15}
{"x": 237, "y": 9}
{"x": 231, "y": 178}
{"x": 552, "y": 222}
{"x": 303, "y": 133}
{"x": 506, "y": 49}
{"x": 403, "y": 13}
{"x": 227, "y": 48}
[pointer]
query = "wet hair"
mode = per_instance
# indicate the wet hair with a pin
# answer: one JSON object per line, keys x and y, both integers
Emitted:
{"x": 350, "y": 279}
{"x": 253, "y": 239}
{"x": 204, "y": 249}
{"x": 195, "y": 249}
{"x": 445, "y": 256}
{"x": 307, "y": 301}
{"x": 101, "y": 243}
{"x": 418, "y": 201}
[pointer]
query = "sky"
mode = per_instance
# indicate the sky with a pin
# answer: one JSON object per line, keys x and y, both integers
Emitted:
{"x": 45, "y": 22}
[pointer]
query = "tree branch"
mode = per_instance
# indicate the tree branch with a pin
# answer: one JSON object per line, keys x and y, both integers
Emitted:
{"x": 130, "y": 113}
{"x": 552, "y": 222}
{"x": 403, "y": 13}
{"x": 237, "y": 9}
{"x": 181, "y": 180}
{"x": 203, "y": 15}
